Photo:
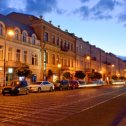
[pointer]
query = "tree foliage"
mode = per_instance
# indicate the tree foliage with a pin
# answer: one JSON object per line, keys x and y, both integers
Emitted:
{"x": 114, "y": 77}
{"x": 67, "y": 75}
{"x": 95, "y": 75}
{"x": 79, "y": 74}
{"x": 50, "y": 73}
{"x": 24, "y": 71}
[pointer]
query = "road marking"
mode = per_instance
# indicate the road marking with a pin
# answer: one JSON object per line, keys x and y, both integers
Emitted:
{"x": 102, "y": 102}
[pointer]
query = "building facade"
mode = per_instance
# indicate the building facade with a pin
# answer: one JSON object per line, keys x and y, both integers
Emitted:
{"x": 42, "y": 46}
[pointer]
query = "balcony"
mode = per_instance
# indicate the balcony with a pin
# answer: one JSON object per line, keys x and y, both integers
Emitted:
{"x": 65, "y": 48}
{"x": 94, "y": 58}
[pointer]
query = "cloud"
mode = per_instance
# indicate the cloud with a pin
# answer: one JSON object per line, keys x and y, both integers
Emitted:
{"x": 36, "y": 7}
{"x": 84, "y": 1}
{"x": 102, "y": 9}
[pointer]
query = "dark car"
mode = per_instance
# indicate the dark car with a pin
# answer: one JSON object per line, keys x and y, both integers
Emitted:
{"x": 16, "y": 87}
{"x": 74, "y": 84}
{"x": 64, "y": 84}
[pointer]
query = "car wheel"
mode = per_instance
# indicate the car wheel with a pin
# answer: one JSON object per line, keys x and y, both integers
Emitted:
{"x": 39, "y": 90}
{"x": 3, "y": 94}
{"x": 61, "y": 88}
{"x": 27, "y": 92}
{"x": 51, "y": 89}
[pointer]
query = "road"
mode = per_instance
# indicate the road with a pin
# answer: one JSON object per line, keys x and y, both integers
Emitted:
{"x": 99, "y": 106}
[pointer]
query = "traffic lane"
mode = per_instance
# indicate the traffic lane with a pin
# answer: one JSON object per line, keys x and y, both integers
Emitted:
{"x": 59, "y": 97}
{"x": 37, "y": 107}
{"x": 110, "y": 113}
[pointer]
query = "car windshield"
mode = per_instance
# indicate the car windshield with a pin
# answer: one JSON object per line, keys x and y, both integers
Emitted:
{"x": 37, "y": 82}
{"x": 15, "y": 83}
{"x": 81, "y": 82}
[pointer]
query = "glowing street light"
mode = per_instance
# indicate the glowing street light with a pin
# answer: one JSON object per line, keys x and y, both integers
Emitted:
{"x": 59, "y": 66}
{"x": 8, "y": 33}
{"x": 113, "y": 65}
{"x": 88, "y": 57}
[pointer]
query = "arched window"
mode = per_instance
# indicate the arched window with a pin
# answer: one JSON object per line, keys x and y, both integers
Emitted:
{"x": 16, "y": 34}
{"x": 1, "y": 29}
{"x": 33, "y": 40}
{"x": 24, "y": 37}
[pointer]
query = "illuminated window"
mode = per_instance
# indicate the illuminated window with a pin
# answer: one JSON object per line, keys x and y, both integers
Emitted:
{"x": 57, "y": 59}
{"x": 1, "y": 54}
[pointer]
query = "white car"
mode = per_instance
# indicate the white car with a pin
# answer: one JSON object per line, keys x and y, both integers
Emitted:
{"x": 118, "y": 82}
{"x": 41, "y": 86}
{"x": 81, "y": 84}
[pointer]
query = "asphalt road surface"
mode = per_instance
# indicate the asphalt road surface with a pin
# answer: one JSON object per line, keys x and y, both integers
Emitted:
{"x": 99, "y": 106}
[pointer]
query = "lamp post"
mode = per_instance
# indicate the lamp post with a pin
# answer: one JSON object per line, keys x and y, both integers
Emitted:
{"x": 8, "y": 33}
{"x": 59, "y": 66}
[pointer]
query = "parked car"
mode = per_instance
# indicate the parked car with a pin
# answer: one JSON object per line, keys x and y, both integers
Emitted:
{"x": 74, "y": 84}
{"x": 63, "y": 84}
{"x": 81, "y": 83}
{"x": 16, "y": 87}
{"x": 41, "y": 86}
{"x": 119, "y": 82}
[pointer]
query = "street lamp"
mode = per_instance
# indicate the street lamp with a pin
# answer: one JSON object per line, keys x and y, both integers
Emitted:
{"x": 8, "y": 33}
{"x": 59, "y": 66}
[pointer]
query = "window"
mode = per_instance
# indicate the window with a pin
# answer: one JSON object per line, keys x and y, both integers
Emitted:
{"x": 57, "y": 41}
{"x": 24, "y": 36}
{"x": 61, "y": 43}
{"x": 68, "y": 62}
{"x": 53, "y": 39}
{"x": 25, "y": 56}
{"x": 1, "y": 29}
{"x": 72, "y": 63}
{"x": 45, "y": 37}
{"x": 1, "y": 54}
{"x": 53, "y": 59}
{"x": 57, "y": 59}
{"x": 10, "y": 54}
{"x": 34, "y": 59}
{"x": 18, "y": 55}
{"x": 33, "y": 40}
{"x": 72, "y": 47}
{"x": 16, "y": 34}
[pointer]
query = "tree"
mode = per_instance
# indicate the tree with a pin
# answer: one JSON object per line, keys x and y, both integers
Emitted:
{"x": 79, "y": 74}
{"x": 95, "y": 75}
{"x": 114, "y": 77}
{"x": 24, "y": 71}
{"x": 49, "y": 74}
{"x": 67, "y": 75}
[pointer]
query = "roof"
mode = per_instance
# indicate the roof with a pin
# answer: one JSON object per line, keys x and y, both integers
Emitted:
{"x": 12, "y": 23}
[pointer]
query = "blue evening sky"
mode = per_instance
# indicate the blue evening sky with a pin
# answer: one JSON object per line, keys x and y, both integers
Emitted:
{"x": 101, "y": 22}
